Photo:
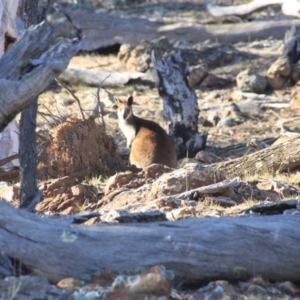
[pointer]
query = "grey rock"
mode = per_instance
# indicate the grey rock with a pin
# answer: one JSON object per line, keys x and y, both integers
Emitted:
{"x": 227, "y": 121}
{"x": 249, "y": 81}
{"x": 112, "y": 115}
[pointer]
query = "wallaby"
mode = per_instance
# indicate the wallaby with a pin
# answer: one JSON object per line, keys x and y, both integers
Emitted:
{"x": 149, "y": 143}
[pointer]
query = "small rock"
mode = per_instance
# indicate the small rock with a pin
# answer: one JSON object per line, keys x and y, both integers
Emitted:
{"x": 196, "y": 75}
{"x": 182, "y": 162}
{"x": 190, "y": 176}
{"x": 235, "y": 112}
{"x": 279, "y": 72}
{"x": 217, "y": 293}
{"x": 295, "y": 129}
{"x": 256, "y": 289}
{"x": 288, "y": 287}
{"x": 249, "y": 81}
{"x": 204, "y": 122}
{"x": 139, "y": 58}
{"x": 181, "y": 213}
{"x": 51, "y": 185}
{"x": 78, "y": 190}
{"x": 227, "y": 121}
{"x": 124, "y": 52}
{"x": 257, "y": 144}
{"x": 212, "y": 80}
{"x": 156, "y": 281}
{"x": 130, "y": 179}
{"x": 112, "y": 115}
{"x": 65, "y": 195}
{"x": 207, "y": 157}
{"x": 70, "y": 284}
{"x": 295, "y": 97}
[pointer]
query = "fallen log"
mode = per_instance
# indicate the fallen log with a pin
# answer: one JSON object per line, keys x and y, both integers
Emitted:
{"x": 288, "y": 7}
{"x": 195, "y": 249}
{"x": 284, "y": 157}
{"x": 101, "y": 30}
{"x": 93, "y": 78}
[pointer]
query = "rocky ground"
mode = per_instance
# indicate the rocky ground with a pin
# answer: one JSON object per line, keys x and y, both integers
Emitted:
{"x": 74, "y": 179}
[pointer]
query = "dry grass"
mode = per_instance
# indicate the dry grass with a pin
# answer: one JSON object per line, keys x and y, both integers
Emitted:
{"x": 287, "y": 178}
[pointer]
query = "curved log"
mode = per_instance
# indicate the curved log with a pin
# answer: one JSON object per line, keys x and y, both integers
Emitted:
{"x": 194, "y": 248}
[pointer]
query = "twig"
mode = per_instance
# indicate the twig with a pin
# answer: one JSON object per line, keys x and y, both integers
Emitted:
{"x": 74, "y": 96}
{"x": 279, "y": 123}
{"x": 8, "y": 159}
{"x": 98, "y": 100}
{"x": 212, "y": 188}
{"x": 284, "y": 121}
{"x": 223, "y": 201}
{"x": 55, "y": 118}
{"x": 264, "y": 97}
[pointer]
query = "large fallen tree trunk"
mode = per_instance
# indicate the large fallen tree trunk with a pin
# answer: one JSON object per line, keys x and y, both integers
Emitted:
{"x": 279, "y": 158}
{"x": 288, "y": 7}
{"x": 29, "y": 67}
{"x": 101, "y": 30}
{"x": 196, "y": 249}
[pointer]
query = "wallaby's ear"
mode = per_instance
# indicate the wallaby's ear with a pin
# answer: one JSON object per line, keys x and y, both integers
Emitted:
{"x": 117, "y": 101}
{"x": 130, "y": 100}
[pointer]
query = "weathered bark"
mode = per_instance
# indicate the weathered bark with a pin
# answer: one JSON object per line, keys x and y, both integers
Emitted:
{"x": 29, "y": 67}
{"x": 292, "y": 45}
{"x": 180, "y": 105}
{"x": 288, "y": 7}
{"x": 100, "y": 30}
{"x": 196, "y": 249}
{"x": 8, "y": 22}
{"x": 285, "y": 69}
{"x": 281, "y": 158}
{"x": 28, "y": 170}
{"x": 28, "y": 154}
{"x": 274, "y": 208}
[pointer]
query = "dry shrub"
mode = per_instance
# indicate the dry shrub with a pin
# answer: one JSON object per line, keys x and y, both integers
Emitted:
{"x": 78, "y": 149}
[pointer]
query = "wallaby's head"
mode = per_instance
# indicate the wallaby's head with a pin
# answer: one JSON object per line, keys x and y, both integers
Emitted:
{"x": 125, "y": 109}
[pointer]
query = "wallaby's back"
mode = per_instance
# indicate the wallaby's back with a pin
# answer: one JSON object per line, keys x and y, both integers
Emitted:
{"x": 149, "y": 142}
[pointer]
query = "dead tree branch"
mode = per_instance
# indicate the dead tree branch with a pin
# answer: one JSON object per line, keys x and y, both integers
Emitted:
{"x": 74, "y": 97}
{"x": 29, "y": 67}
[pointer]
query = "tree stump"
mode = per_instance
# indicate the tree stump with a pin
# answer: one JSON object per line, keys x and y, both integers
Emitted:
{"x": 180, "y": 105}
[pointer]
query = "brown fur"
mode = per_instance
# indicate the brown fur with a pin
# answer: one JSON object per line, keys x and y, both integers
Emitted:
{"x": 148, "y": 141}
